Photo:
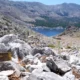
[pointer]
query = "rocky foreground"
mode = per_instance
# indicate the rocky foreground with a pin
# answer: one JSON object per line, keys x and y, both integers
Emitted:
{"x": 37, "y": 63}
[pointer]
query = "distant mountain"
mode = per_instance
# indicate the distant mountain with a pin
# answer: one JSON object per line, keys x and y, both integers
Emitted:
{"x": 41, "y": 15}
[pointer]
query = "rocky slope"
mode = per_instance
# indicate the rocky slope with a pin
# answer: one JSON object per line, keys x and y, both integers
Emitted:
{"x": 33, "y": 56}
{"x": 8, "y": 27}
{"x": 36, "y": 57}
{"x": 34, "y": 63}
{"x": 70, "y": 38}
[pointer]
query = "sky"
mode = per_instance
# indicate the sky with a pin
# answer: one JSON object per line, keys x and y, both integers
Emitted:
{"x": 53, "y": 2}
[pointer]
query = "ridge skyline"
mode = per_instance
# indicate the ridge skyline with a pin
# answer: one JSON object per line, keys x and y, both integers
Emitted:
{"x": 52, "y": 2}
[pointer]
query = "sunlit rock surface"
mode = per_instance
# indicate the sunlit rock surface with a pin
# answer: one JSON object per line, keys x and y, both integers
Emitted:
{"x": 28, "y": 63}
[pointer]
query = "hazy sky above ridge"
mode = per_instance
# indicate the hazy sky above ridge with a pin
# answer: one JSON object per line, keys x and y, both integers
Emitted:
{"x": 53, "y": 2}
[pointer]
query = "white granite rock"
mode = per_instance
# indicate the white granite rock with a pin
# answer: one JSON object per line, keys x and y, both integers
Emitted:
{"x": 8, "y": 38}
{"x": 39, "y": 65}
{"x": 39, "y": 75}
{"x": 69, "y": 76}
{"x": 74, "y": 60}
{"x": 6, "y": 73}
{"x": 4, "y": 78}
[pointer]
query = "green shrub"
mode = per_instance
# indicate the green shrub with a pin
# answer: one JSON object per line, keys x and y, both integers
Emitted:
{"x": 51, "y": 46}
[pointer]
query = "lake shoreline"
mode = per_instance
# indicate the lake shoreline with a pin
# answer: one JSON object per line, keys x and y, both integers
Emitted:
{"x": 49, "y": 32}
{"x": 43, "y": 27}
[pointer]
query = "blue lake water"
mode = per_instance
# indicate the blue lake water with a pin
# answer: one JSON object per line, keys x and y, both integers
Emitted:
{"x": 48, "y": 32}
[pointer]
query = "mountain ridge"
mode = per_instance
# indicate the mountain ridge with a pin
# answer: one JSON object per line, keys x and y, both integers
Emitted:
{"x": 31, "y": 12}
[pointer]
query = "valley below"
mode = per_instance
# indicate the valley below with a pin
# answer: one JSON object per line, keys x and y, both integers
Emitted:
{"x": 28, "y": 54}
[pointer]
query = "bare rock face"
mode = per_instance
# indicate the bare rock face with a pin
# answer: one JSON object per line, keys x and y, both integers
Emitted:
{"x": 36, "y": 50}
{"x": 39, "y": 75}
{"x": 4, "y": 78}
{"x": 4, "y": 48}
{"x": 6, "y": 66}
{"x": 18, "y": 47}
{"x": 57, "y": 64}
{"x": 7, "y": 72}
{"x": 8, "y": 38}
{"x": 48, "y": 51}
{"x": 54, "y": 68}
{"x": 69, "y": 76}
{"x": 42, "y": 51}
